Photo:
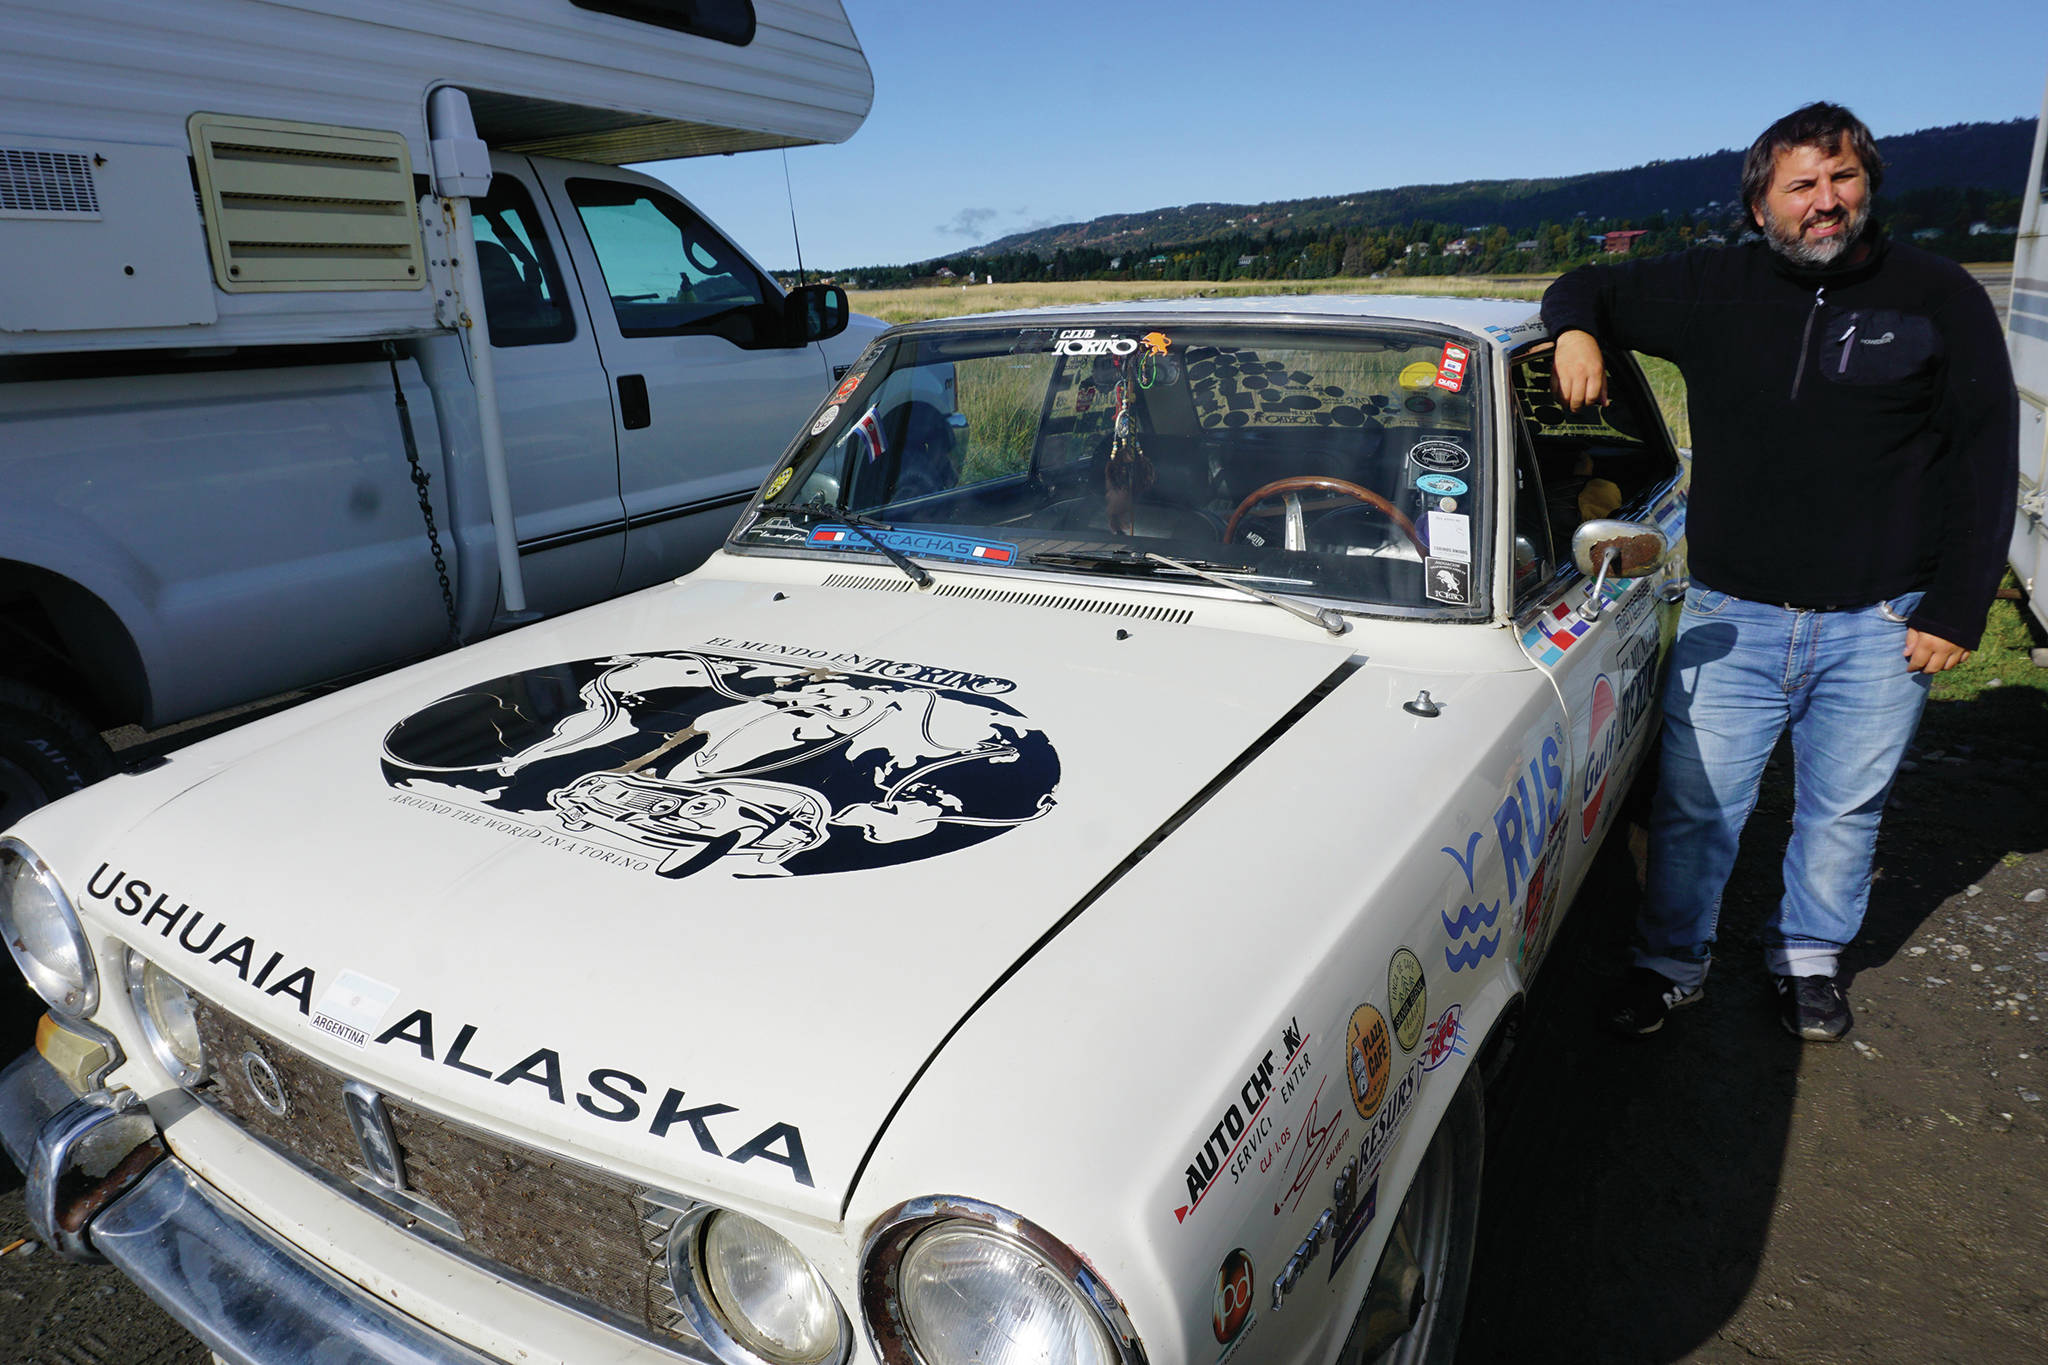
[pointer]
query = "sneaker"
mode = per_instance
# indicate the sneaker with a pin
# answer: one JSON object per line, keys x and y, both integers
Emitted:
{"x": 1813, "y": 1008}
{"x": 1639, "y": 1003}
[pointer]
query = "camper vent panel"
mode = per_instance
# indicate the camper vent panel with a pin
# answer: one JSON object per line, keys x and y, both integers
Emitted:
{"x": 36, "y": 184}
{"x": 292, "y": 206}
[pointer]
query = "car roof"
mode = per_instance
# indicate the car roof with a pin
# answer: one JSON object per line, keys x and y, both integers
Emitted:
{"x": 1492, "y": 318}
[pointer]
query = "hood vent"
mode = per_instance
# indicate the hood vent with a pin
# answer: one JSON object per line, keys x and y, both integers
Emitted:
{"x": 297, "y": 206}
{"x": 38, "y": 184}
{"x": 1173, "y": 616}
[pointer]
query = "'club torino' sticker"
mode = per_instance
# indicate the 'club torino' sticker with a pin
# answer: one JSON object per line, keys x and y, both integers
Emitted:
{"x": 1447, "y": 580}
{"x": 705, "y": 762}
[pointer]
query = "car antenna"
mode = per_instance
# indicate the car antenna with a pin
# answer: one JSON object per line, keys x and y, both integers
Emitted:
{"x": 792, "y": 218}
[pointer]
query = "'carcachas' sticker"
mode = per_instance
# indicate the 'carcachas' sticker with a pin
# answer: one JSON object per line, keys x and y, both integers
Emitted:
{"x": 1420, "y": 375}
{"x": 708, "y": 761}
{"x": 1441, "y": 485}
{"x": 928, "y": 544}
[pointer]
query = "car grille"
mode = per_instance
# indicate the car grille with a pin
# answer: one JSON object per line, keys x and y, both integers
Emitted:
{"x": 575, "y": 1233}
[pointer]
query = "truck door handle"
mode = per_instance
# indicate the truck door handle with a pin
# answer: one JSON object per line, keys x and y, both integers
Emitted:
{"x": 633, "y": 413}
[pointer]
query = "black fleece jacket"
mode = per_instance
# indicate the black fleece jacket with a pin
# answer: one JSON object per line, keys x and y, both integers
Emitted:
{"x": 1854, "y": 427}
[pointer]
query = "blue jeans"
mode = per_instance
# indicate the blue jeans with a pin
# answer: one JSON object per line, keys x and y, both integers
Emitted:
{"x": 1740, "y": 672}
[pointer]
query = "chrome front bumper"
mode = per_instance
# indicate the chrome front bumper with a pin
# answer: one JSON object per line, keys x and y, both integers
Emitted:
{"x": 250, "y": 1296}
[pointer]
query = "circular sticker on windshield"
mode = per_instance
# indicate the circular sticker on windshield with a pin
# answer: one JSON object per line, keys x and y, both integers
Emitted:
{"x": 1445, "y": 457}
{"x": 779, "y": 482}
{"x": 1443, "y": 485}
{"x": 825, "y": 419}
{"x": 1420, "y": 375}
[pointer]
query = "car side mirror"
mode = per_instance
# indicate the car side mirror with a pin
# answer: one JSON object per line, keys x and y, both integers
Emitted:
{"x": 813, "y": 312}
{"x": 1625, "y": 549}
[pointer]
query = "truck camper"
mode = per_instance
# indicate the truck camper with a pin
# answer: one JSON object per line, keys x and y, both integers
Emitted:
{"x": 334, "y": 333}
{"x": 2026, "y": 334}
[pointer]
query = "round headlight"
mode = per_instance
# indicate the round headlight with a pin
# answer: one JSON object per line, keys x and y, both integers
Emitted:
{"x": 953, "y": 1281}
{"x": 170, "y": 1019}
{"x": 43, "y": 933}
{"x": 751, "y": 1295}
{"x": 972, "y": 1295}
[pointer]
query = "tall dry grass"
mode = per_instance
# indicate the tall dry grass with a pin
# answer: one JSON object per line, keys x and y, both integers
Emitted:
{"x": 947, "y": 301}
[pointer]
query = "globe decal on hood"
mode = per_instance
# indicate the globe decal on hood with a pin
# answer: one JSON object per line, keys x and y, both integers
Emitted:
{"x": 701, "y": 760}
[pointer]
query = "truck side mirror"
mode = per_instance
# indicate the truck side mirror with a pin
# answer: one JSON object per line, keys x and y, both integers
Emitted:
{"x": 813, "y": 312}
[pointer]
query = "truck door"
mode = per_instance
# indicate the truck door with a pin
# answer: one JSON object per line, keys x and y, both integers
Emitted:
{"x": 706, "y": 396}
{"x": 1616, "y": 461}
{"x": 554, "y": 402}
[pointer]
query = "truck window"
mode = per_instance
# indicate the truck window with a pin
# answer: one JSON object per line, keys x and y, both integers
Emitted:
{"x": 522, "y": 287}
{"x": 668, "y": 272}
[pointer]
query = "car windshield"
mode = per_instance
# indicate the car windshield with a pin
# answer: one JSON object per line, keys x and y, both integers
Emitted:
{"x": 1340, "y": 463}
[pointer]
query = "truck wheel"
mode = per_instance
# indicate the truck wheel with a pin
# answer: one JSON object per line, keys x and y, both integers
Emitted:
{"x": 1415, "y": 1303}
{"x": 47, "y": 750}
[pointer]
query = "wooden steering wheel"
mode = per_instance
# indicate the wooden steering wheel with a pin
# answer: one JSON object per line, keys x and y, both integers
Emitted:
{"x": 1296, "y": 538}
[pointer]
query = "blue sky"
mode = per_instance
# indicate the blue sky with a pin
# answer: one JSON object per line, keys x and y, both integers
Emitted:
{"x": 992, "y": 118}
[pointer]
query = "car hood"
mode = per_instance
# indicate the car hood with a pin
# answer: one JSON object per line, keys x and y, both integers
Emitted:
{"x": 695, "y": 882}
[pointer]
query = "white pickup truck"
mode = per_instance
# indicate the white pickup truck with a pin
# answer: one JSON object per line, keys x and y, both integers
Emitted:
{"x": 248, "y": 440}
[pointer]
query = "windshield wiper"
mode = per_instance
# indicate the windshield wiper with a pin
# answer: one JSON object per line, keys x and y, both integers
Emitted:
{"x": 1125, "y": 561}
{"x": 1145, "y": 562}
{"x": 1319, "y": 616}
{"x": 864, "y": 527}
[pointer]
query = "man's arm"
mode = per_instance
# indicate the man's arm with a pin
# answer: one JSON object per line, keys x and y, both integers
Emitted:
{"x": 1637, "y": 306}
{"x": 1978, "y": 475}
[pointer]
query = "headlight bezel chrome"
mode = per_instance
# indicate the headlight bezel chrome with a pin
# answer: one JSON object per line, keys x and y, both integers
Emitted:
{"x": 137, "y": 969}
{"x": 689, "y": 1279}
{"x": 87, "y": 989}
{"x": 895, "y": 1231}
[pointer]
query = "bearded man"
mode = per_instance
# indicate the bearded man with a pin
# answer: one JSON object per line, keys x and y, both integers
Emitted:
{"x": 1853, "y": 481}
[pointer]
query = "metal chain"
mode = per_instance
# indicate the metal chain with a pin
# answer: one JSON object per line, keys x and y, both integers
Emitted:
{"x": 420, "y": 480}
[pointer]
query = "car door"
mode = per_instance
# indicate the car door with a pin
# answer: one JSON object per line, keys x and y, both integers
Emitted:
{"x": 707, "y": 396}
{"x": 1603, "y": 652}
{"x": 555, "y": 405}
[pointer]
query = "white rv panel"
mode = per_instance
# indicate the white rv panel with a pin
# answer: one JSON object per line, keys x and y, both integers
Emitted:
{"x": 112, "y": 257}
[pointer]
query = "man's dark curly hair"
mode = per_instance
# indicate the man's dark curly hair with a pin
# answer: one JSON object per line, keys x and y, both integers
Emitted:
{"x": 1819, "y": 124}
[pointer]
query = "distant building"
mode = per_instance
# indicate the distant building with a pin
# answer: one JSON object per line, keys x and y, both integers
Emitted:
{"x": 1458, "y": 246}
{"x": 1531, "y": 245}
{"x": 1622, "y": 242}
{"x": 1417, "y": 249}
{"x": 1244, "y": 261}
{"x": 1926, "y": 234}
{"x": 1986, "y": 230}
{"x": 945, "y": 274}
{"x": 1712, "y": 239}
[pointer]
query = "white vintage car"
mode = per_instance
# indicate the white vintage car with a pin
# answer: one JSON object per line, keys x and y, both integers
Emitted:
{"x": 1052, "y": 889}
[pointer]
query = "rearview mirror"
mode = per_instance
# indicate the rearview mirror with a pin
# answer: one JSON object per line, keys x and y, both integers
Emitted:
{"x": 813, "y": 312}
{"x": 1625, "y": 549}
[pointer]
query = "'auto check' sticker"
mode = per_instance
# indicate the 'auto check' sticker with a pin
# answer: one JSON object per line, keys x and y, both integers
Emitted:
{"x": 926, "y": 543}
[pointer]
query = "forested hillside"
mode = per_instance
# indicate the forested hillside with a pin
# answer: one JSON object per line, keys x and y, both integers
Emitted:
{"x": 1938, "y": 182}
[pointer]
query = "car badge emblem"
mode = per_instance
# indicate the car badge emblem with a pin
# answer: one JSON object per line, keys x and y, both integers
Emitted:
{"x": 264, "y": 1083}
{"x": 374, "y": 1137}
